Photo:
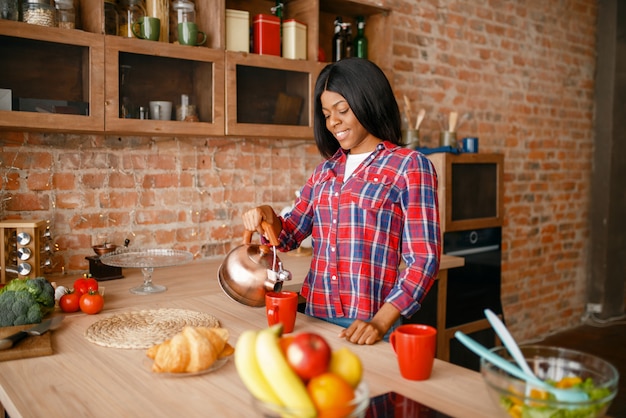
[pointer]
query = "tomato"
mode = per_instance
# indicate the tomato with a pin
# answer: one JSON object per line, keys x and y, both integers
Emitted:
{"x": 91, "y": 302}
{"x": 70, "y": 302}
{"x": 85, "y": 284}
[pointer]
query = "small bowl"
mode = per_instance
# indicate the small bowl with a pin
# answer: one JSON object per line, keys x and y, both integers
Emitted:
{"x": 359, "y": 405}
{"x": 104, "y": 248}
{"x": 552, "y": 364}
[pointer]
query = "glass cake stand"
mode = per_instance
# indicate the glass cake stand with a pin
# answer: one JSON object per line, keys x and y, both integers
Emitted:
{"x": 147, "y": 260}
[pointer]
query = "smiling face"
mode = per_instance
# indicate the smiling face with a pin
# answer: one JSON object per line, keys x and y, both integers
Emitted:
{"x": 345, "y": 127}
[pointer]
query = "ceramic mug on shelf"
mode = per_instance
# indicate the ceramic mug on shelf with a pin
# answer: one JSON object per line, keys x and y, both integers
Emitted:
{"x": 188, "y": 34}
{"x": 147, "y": 28}
{"x": 160, "y": 110}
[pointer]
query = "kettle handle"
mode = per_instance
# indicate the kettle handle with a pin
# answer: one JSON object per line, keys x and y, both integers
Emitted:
{"x": 269, "y": 232}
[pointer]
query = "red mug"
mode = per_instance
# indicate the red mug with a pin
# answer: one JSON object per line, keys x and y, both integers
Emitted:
{"x": 281, "y": 307}
{"x": 415, "y": 346}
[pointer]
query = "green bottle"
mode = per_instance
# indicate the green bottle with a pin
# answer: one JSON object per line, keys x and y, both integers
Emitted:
{"x": 360, "y": 41}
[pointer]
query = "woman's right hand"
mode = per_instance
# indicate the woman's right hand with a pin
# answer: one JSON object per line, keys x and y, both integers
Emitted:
{"x": 253, "y": 218}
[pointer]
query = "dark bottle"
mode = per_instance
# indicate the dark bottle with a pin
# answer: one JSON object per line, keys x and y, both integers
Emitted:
{"x": 339, "y": 41}
{"x": 360, "y": 42}
{"x": 347, "y": 30}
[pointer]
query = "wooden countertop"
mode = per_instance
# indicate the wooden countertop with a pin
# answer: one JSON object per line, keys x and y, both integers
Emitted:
{"x": 84, "y": 379}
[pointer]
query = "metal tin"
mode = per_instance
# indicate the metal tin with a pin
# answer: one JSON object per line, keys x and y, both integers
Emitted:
{"x": 266, "y": 35}
{"x": 470, "y": 144}
{"x": 237, "y": 30}
{"x": 294, "y": 39}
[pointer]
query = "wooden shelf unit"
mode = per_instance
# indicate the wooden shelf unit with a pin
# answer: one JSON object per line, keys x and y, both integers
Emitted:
{"x": 83, "y": 65}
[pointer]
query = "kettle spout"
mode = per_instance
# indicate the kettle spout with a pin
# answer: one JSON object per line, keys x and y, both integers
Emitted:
{"x": 275, "y": 278}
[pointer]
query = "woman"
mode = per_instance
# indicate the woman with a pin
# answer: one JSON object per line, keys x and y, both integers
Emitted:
{"x": 370, "y": 205}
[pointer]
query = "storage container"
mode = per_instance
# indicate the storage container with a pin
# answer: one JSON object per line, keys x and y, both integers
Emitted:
{"x": 237, "y": 30}
{"x": 111, "y": 18}
{"x": 131, "y": 11}
{"x": 9, "y": 9}
{"x": 266, "y": 35}
{"x": 182, "y": 11}
{"x": 39, "y": 12}
{"x": 66, "y": 15}
{"x": 294, "y": 40}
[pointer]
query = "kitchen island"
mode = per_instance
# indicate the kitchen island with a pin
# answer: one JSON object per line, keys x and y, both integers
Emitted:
{"x": 82, "y": 379}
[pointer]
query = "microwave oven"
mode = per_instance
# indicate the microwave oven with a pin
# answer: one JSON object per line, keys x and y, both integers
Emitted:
{"x": 470, "y": 191}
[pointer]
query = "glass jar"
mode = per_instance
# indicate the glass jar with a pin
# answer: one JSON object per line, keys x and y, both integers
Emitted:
{"x": 130, "y": 12}
{"x": 39, "y": 12}
{"x": 9, "y": 9}
{"x": 183, "y": 11}
{"x": 111, "y": 19}
{"x": 66, "y": 15}
{"x": 161, "y": 10}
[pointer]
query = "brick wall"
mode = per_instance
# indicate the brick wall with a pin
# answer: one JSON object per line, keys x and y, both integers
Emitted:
{"x": 522, "y": 71}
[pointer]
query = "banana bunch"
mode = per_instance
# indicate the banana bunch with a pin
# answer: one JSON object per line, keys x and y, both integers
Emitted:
{"x": 264, "y": 370}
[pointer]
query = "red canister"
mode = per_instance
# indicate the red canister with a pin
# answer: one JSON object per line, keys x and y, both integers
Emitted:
{"x": 266, "y": 35}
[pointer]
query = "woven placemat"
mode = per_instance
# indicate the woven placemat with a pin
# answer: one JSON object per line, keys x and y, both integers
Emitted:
{"x": 145, "y": 328}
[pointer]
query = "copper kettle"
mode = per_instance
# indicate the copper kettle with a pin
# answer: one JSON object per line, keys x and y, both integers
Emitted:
{"x": 251, "y": 270}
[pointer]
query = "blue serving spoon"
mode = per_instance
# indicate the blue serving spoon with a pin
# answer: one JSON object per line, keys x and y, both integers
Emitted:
{"x": 571, "y": 395}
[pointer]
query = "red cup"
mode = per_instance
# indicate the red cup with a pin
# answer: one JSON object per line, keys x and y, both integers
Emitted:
{"x": 281, "y": 307}
{"x": 415, "y": 347}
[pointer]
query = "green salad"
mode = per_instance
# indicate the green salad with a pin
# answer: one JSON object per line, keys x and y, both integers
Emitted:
{"x": 543, "y": 407}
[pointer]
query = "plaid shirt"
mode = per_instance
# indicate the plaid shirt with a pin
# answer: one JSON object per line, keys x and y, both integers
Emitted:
{"x": 385, "y": 212}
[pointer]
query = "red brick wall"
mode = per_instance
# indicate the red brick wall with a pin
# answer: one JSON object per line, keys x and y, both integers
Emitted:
{"x": 522, "y": 71}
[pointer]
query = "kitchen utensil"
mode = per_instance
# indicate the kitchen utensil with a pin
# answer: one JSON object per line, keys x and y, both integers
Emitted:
{"x": 571, "y": 395}
{"x": 407, "y": 110}
{"x": 251, "y": 270}
{"x": 509, "y": 343}
{"x": 508, "y": 340}
{"x": 452, "y": 120}
{"x": 420, "y": 118}
{"x": 39, "y": 329}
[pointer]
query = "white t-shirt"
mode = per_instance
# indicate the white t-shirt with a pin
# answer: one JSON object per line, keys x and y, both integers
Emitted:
{"x": 353, "y": 162}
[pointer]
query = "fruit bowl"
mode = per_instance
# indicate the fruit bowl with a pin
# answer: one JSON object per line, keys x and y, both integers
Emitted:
{"x": 357, "y": 407}
{"x": 552, "y": 364}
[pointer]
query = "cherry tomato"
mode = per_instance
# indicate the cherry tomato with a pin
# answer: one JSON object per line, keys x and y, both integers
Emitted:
{"x": 85, "y": 284}
{"x": 91, "y": 302}
{"x": 70, "y": 302}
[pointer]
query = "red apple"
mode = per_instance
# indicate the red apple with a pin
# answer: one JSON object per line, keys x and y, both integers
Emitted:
{"x": 308, "y": 354}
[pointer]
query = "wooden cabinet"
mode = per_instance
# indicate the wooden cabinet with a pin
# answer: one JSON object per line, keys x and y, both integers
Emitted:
{"x": 135, "y": 75}
{"x": 59, "y": 78}
{"x": 236, "y": 93}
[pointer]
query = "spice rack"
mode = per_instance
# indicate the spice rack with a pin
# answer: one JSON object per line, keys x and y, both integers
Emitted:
{"x": 25, "y": 250}
{"x": 87, "y": 64}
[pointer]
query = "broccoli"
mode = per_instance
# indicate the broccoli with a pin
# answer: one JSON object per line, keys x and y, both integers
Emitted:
{"x": 19, "y": 308}
{"x": 42, "y": 290}
{"x": 28, "y": 301}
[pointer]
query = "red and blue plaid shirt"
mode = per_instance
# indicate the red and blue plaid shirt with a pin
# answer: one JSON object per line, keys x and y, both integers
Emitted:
{"x": 362, "y": 229}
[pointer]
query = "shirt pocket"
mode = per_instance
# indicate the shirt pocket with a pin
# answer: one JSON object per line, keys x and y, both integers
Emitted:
{"x": 373, "y": 191}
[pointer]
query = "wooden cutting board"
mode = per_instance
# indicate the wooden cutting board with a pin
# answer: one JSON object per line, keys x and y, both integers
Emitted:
{"x": 33, "y": 346}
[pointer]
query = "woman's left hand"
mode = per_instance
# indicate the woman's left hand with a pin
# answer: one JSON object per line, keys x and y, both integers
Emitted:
{"x": 361, "y": 332}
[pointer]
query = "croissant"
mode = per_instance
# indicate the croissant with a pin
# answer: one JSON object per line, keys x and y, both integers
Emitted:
{"x": 192, "y": 350}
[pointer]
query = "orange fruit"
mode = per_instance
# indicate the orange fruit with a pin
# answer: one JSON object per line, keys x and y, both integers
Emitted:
{"x": 331, "y": 395}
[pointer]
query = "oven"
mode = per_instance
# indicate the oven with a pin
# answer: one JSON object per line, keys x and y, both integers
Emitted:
{"x": 471, "y": 289}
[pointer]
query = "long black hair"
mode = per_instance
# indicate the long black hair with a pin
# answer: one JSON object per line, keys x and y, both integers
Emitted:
{"x": 368, "y": 93}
